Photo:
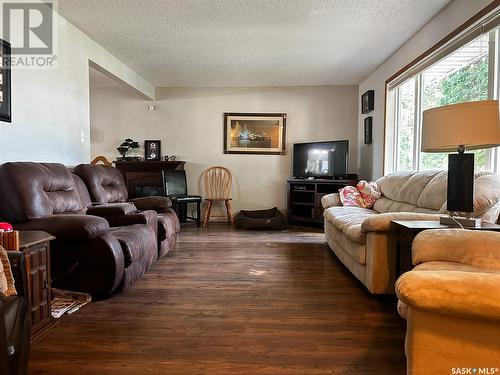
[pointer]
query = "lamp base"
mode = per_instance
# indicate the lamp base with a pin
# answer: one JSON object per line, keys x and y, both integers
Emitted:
{"x": 465, "y": 222}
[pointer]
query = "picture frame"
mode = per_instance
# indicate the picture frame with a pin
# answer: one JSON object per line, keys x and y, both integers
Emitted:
{"x": 5, "y": 83}
{"x": 254, "y": 133}
{"x": 368, "y": 101}
{"x": 152, "y": 150}
{"x": 368, "y": 130}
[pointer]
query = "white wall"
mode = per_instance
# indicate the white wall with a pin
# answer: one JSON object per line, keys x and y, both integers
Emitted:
{"x": 371, "y": 156}
{"x": 189, "y": 122}
{"x": 50, "y": 107}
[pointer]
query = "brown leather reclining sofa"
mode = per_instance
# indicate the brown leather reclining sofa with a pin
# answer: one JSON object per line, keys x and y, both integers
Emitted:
{"x": 107, "y": 189}
{"x": 89, "y": 254}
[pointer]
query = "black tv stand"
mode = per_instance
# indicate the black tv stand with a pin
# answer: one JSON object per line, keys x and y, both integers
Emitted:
{"x": 340, "y": 177}
{"x": 304, "y": 198}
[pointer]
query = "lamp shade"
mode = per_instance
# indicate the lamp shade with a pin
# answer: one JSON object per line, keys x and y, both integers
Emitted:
{"x": 474, "y": 125}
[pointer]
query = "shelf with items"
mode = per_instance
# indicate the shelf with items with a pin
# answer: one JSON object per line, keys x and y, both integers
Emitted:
{"x": 304, "y": 199}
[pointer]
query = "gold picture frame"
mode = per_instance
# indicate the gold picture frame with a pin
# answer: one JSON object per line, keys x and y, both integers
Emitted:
{"x": 254, "y": 133}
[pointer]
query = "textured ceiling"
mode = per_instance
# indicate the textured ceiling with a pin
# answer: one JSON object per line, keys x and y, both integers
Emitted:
{"x": 251, "y": 42}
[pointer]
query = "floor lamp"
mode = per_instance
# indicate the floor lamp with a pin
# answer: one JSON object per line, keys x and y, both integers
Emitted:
{"x": 457, "y": 127}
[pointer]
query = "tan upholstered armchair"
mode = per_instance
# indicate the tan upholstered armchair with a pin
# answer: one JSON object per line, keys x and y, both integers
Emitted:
{"x": 451, "y": 301}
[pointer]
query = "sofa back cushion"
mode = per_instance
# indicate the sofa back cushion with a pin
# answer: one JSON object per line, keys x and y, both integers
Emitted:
{"x": 104, "y": 183}
{"x": 426, "y": 191}
{"x": 82, "y": 190}
{"x": 33, "y": 190}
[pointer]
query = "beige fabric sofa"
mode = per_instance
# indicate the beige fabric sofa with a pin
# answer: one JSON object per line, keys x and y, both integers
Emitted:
{"x": 361, "y": 238}
{"x": 451, "y": 301}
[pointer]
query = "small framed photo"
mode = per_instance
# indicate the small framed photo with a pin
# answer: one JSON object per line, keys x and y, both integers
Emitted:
{"x": 5, "y": 89}
{"x": 368, "y": 130}
{"x": 152, "y": 150}
{"x": 368, "y": 101}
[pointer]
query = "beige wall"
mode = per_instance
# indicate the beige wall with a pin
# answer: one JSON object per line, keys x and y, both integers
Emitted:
{"x": 50, "y": 107}
{"x": 188, "y": 121}
{"x": 371, "y": 157}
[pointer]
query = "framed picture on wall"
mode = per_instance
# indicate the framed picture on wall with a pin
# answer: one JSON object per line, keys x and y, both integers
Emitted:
{"x": 368, "y": 130}
{"x": 152, "y": 150}
{"x": 367, "y": 101}
{"x": 5, "y": 98}
{"x": 254, "y": 133}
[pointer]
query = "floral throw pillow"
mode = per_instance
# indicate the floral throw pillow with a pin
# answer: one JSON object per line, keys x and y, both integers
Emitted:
{"x": 351, "y": 197}
{"x": 369, "y": 192}
{"x": 364, "y": 195}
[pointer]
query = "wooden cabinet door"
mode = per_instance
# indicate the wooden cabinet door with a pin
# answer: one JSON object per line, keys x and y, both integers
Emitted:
{"x": 37, "y": 264}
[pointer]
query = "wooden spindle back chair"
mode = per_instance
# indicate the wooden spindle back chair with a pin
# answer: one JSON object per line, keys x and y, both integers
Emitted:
{"x": 101, "y": 159}
{"x": 218, "y": 185}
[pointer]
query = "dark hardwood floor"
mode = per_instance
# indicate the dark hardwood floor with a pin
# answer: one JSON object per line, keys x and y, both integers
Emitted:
{"x": 231, "y": 302}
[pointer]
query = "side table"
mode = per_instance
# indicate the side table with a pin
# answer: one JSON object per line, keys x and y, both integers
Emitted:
{"x": 405, "y": 232}
{"x": 36, "y": 248}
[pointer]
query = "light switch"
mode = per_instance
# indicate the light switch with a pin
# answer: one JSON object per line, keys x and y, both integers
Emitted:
{"x": 82, "y": 136}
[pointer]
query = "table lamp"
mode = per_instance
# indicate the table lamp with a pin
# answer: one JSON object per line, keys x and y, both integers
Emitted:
{"x": 457, "y": 127}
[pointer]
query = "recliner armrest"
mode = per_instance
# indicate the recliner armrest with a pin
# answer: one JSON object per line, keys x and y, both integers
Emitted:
{"x": 112, "y": 209}
{"x": 159, "y": 204}
{"x": 69, "y": 227}
{"x": 149, "y": 217}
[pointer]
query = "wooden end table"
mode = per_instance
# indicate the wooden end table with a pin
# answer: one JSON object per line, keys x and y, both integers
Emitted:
{"x": 36, "y": 248}
{"x": 405, "y": 232}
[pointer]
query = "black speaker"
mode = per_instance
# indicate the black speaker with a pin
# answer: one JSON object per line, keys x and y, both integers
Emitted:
{"x": 461, "y": 182}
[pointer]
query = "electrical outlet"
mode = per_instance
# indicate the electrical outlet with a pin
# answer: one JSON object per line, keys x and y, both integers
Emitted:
{"x": 82, "y": 136}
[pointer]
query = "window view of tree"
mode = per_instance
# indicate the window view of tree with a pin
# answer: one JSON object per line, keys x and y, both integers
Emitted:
{"x": 467, "y": 84}
{"x": 458, "y": 78}
{"x": 406, "y": 120}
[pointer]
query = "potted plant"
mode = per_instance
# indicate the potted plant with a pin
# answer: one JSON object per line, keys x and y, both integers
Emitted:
{"x": 125, "y": 147}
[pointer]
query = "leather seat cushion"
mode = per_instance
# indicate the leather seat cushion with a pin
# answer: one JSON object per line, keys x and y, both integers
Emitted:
{"x": 138, "y": 243}
{"x": 348, "y": 220}
{"x": 186, "y": 199}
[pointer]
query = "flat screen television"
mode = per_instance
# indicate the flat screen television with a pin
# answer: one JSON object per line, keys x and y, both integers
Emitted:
{"x": 320, "y": 159}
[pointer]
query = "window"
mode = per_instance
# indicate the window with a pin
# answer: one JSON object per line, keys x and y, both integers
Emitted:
{"x": 464, "y": 72}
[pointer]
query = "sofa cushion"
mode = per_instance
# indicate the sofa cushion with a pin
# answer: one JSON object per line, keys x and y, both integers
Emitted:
{"x": 348, "y": 220}
{"x": 391, "y": 185}
{"x": 433, "y": 196}
{"x": 104, "y": 182}
{"x": 82, "y": 190}
{"x": 425, "y": 191}
{"x": 384, "y": 205}
{"x": 34, "y": 190}
{"x": 136, "y": 242}
{"x": 486, "y": 196}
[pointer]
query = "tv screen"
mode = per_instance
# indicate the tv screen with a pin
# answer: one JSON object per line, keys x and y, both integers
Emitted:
{"x": 320, "y": 159}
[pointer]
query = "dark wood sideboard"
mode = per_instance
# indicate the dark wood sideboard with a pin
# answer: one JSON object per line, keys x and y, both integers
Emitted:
{"x": 144, "y": 177}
